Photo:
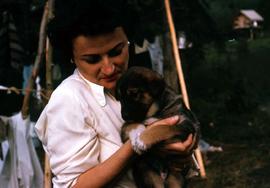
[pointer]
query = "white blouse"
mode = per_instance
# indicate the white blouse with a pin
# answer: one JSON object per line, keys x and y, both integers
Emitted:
{"x": 80, "y": 128}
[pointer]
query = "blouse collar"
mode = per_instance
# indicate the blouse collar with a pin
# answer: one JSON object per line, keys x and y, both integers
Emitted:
{"x": 97, "y": 90}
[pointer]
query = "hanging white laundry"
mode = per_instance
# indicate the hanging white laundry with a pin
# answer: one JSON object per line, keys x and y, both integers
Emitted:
{"x": 21, "y": 167}
{"x": 3, "y": 140}
{"x": 156, "y": 55}
{"x": 8, "y": 176}
{"x": 5, "y": 148}
{"x": 206, "y": 147}
{"x": 143, "y": 48}
{"x": 3, "y": 87}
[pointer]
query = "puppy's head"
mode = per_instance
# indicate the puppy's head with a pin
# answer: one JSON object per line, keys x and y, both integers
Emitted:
{"x": 136, "y": 90}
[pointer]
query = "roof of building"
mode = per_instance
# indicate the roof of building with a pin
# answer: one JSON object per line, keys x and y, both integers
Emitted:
{"x": 252, "y": 15}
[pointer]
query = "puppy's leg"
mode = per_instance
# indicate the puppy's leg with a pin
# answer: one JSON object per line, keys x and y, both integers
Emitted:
{"x": 146, "y": 177}
{"x": 127, "y": 128}
{"x": 155, "y": 134}
{"x": 154, "y": 180}
{"x": 174, "y": 180}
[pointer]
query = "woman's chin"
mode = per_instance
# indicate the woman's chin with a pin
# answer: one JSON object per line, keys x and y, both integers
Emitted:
{"x": 109, "y": 85}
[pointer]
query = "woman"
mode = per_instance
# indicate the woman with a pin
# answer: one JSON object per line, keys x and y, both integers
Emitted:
{"x": 80, "y": 126}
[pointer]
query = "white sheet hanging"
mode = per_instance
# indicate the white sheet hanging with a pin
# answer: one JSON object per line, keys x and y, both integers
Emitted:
{"x": 21, "y": 167}
{"x": 5, "y": 147}
{"x": 156, "y": 55}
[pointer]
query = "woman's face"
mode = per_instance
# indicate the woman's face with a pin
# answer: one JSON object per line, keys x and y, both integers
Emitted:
{"x": 102, "y": 59}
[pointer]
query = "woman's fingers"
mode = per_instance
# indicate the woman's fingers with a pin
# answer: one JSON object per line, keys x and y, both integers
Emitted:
{"x": 181, "y": 147}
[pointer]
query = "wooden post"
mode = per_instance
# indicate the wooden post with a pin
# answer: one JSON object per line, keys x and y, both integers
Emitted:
{"x": 37, "y": 63}
{"x": 49, "y": 89}
{"x": 47, "y": 173}
{"x": 181, "y": 77}
{"x": 47, "y": 168}
{"x": 31, "y": 81}
{"x": 49, "y": 84}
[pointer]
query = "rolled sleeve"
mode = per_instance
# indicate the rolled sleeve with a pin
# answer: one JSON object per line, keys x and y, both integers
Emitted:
{"x": 73, "y": 145}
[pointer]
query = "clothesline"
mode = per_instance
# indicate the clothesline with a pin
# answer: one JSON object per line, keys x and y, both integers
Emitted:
{"x": 18, "y": 91}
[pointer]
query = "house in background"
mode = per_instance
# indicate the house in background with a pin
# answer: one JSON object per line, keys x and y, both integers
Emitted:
{"x": 248, "y": 23}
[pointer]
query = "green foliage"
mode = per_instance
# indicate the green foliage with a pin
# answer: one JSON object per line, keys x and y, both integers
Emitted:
{"x": 223, "y": 11}
{"x": 231, "y": 80}
{"x": 189, "y": 16}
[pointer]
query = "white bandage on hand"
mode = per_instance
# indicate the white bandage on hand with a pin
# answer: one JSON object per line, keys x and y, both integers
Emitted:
{"x": 137, "y": 144}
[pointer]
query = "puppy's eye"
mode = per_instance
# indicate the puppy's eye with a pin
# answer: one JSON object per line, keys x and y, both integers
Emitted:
{"x": 134, "y": 94}
{"x": 132, "y": 91}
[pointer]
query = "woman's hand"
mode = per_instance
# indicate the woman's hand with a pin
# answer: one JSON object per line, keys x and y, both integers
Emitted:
{"x": 185, "y": 147}
{"x": 159, "y": 131}
{"x": 144, "y": 138}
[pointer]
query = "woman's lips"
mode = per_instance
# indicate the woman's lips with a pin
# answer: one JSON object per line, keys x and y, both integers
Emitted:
{"x": 111, "y": 78}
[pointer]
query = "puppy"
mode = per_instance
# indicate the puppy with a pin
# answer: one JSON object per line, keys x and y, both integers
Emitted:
{"x": 143, "y": 94}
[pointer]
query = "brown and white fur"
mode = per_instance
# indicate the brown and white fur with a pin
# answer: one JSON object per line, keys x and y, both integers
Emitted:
{"x": 144, "y": 95}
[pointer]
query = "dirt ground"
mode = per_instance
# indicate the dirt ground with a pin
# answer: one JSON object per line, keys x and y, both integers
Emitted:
{"x": 245, "y": 160}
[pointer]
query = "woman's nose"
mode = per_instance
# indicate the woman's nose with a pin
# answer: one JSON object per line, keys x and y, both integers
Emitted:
{"x": 107, "y": 66}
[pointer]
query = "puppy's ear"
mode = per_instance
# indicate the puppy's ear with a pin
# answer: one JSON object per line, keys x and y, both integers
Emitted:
{"x": 157, "y": 86}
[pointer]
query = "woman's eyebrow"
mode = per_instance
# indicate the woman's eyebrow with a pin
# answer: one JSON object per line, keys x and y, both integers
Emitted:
{"x": 121, "y": 44}
{"x": 115, "y": 47}
{"x": 89, "y": 55}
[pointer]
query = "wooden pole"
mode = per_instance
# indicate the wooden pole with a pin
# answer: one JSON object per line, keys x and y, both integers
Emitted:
{"x": 47, "y": 168}
{"x": 49, "y": 84}
{"x": 181, "y": 77}
{"x": 47, "y": 173}
{"x": 38, "y": 60}
{"x": 49, "y": 89}
{"x": 37, "y": 63}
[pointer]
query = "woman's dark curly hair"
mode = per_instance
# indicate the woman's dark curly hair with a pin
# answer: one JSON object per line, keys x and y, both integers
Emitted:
{"x": 89, "y": 18}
